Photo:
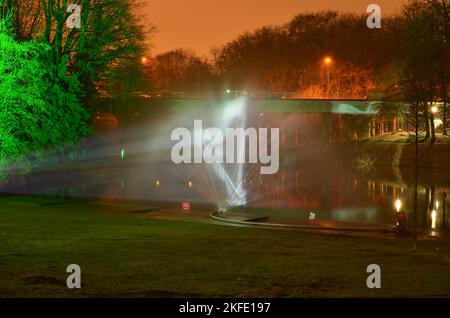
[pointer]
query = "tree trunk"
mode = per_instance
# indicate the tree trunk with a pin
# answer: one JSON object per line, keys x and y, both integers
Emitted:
{"x": 416, "y": 174}
{"x": 444, "y": 210}
{"x": 433, "y": 130}
{"x": 444, "y": 118}
{"x": 426, "y": 208}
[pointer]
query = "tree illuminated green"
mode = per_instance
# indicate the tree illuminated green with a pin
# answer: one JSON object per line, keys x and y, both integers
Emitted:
{"x": 110, "y": 35}
{"x": 39, "y": 107}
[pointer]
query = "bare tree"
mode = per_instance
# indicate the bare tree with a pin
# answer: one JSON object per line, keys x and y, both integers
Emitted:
{"x": 179, "y": 70}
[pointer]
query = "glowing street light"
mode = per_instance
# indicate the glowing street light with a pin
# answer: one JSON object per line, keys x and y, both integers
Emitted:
{"x": 158, "y": 183}
{"x": 434, "y": 109}
{"x": 190, "y": 184}
{"x": 327, "y": 61}
{"x": 144, "y": 60}
{"x": 398, "y": 205}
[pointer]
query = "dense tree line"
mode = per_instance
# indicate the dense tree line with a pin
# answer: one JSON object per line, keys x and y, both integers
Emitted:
{"x": 289, "y": 58}
{"x": 179, "y": 70}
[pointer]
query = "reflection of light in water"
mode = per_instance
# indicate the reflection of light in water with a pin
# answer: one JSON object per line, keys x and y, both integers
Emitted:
{"x": 437, "y": 205}
{"x": 433, "y": 219}
{"x": 398, "y": 205}
{"x": 190, "y": 184}
{"x": 158, "y": 183}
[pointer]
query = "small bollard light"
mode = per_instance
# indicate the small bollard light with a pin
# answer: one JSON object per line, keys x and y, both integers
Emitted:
{"x": 186, "y": 206}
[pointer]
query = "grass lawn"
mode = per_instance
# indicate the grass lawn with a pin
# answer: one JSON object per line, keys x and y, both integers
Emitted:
{"x": 126, "y": 255}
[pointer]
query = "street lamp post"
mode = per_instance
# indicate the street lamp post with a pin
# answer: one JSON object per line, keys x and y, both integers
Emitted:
{"x": 327, "y": 61}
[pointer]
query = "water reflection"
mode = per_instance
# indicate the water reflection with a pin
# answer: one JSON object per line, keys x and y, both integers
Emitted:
{"x": 333, "y": 193}
{"x": 341, "y": 194}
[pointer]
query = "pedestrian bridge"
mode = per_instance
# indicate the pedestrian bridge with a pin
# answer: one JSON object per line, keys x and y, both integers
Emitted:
{"x": 350, "y": 107}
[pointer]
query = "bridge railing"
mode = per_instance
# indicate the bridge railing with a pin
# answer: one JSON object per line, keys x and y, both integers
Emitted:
{"x": 227, "y": 94}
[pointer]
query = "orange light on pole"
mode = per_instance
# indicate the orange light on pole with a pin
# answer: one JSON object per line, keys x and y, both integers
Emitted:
{"x": 327, "y": 60}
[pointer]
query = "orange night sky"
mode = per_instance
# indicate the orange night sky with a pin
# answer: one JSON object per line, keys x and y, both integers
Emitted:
{"x": 200, "y": 25}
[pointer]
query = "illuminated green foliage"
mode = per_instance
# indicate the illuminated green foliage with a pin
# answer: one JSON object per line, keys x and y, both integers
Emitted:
{"x": 39, "y": 104}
